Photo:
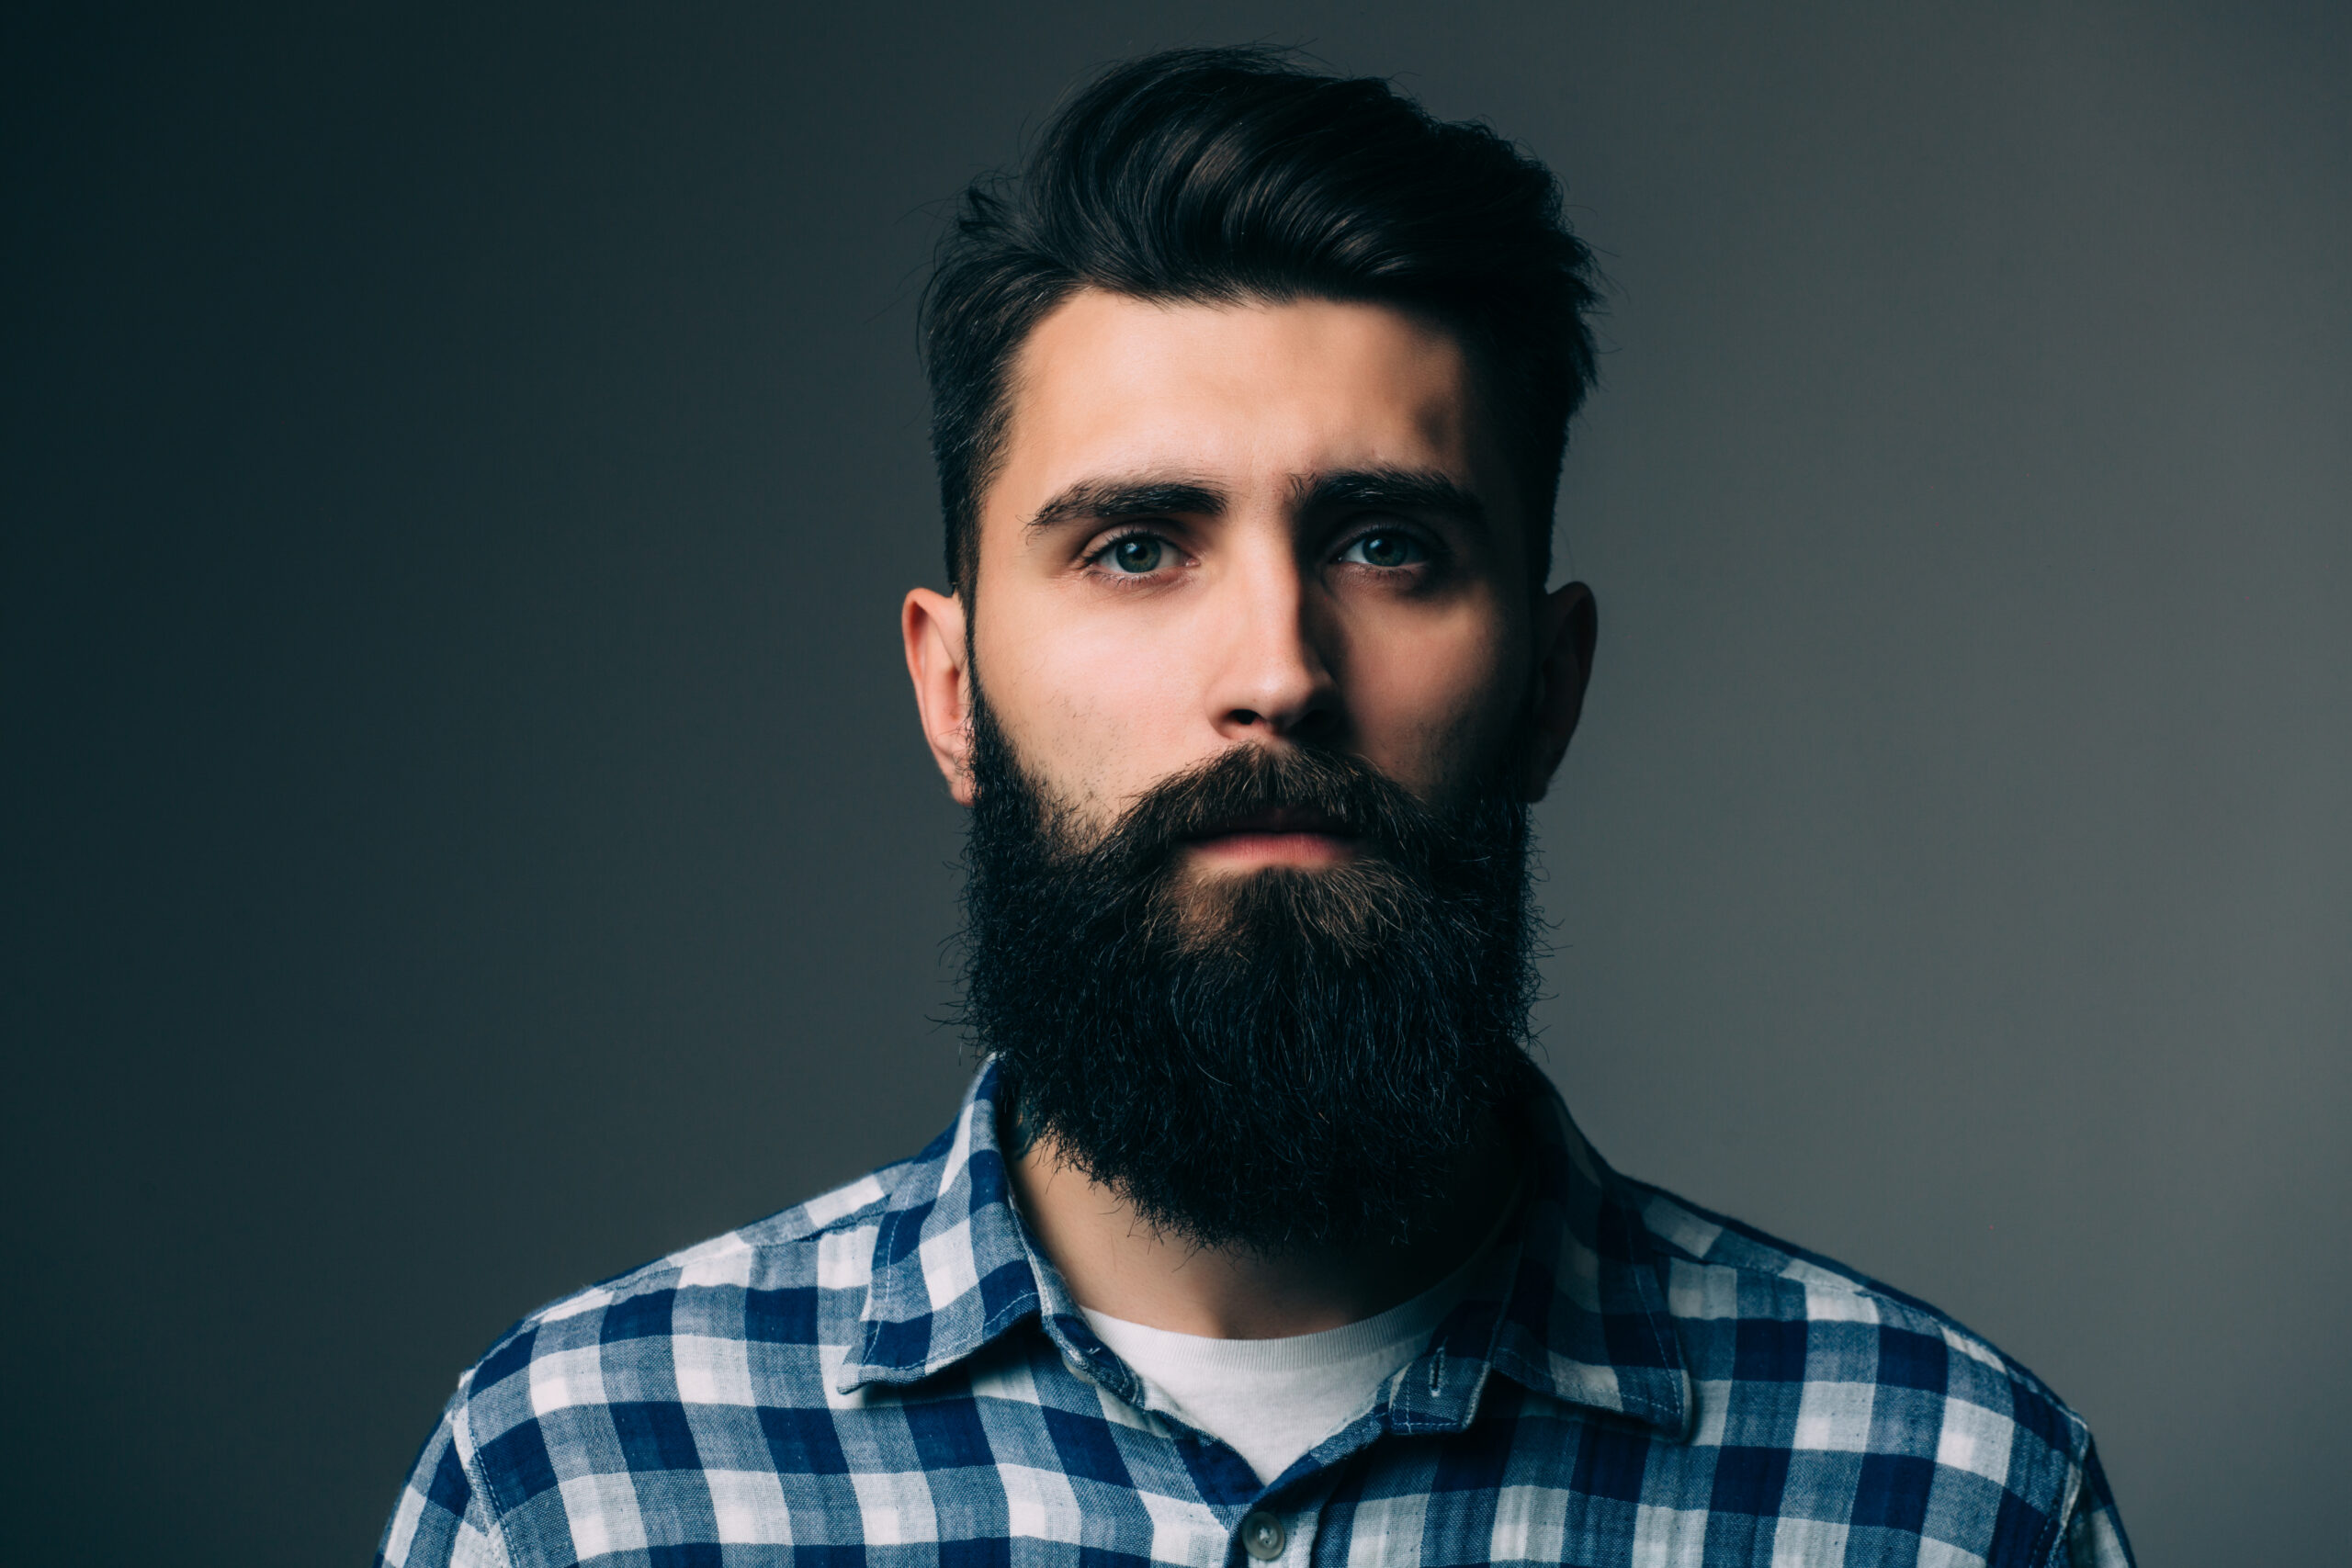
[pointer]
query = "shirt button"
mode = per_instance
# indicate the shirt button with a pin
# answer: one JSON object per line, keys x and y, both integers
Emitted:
{"x": 1261, "y": 1536}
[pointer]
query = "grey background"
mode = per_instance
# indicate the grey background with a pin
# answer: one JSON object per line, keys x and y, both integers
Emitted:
{"x": 467, "y": 832}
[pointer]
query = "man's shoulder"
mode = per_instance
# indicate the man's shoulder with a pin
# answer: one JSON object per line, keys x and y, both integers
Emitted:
{"x": 601, "y": 1381}
{"x": 1719, "y": 1268}
{"x": 792, "y": 1246}
{"x": 1847, "y": 1363}
{"x": 795, "y": 1280}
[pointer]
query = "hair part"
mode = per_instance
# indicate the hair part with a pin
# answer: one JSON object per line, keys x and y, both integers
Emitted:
{"x": 1232, "y": 175}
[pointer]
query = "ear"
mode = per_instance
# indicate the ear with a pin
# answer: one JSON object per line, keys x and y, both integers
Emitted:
{"x": 934, "y": 627}
{"x": 1568, "y": 626}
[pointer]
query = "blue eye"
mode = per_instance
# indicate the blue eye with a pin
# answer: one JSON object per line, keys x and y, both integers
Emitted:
{"x": 1385, "y": 550}
{"x": 1136, "y": 553}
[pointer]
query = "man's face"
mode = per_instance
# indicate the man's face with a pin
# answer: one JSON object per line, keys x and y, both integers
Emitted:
{"x": 1279, "y": 525}
{"x": 1267, "y": 688}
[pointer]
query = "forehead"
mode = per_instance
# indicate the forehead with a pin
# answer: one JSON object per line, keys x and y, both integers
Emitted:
{"x": 1254, "y": 394}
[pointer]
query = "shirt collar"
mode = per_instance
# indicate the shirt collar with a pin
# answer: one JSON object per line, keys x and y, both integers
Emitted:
{"x": 1581, "y": 1315}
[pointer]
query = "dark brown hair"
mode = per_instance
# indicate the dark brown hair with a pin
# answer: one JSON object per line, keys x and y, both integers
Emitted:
{"x": 1225, "y": 175}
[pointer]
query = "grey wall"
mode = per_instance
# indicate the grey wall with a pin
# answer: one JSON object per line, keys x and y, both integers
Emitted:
{"x": 466, "y": 830}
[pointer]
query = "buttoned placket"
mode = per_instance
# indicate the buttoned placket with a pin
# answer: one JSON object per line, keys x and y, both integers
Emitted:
{"x": 1435, "y": 1392}
{"x": 1438, "y": 1392}
{"x": 1282, "y": 1526}
{"x": 1266, "y": 1536}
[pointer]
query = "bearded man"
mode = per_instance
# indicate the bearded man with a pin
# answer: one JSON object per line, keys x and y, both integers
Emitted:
{"x": 1257, "y": 1239}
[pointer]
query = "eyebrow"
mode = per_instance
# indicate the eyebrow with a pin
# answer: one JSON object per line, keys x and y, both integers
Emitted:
{"x": 1393, "y": 490}
{"x": 1104, "y": 500}
{"x": 1397, "y": 490}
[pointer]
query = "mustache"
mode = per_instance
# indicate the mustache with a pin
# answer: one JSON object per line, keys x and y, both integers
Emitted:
{"x": 1249, "y": 786}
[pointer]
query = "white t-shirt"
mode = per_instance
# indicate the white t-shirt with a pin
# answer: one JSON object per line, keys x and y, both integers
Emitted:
{"x": 1271, "y": 1400}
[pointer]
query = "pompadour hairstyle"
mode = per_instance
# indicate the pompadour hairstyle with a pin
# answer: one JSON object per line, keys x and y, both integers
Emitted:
{"x": 1223, "y": 175}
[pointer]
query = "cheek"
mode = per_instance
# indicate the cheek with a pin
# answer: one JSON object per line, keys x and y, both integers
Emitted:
{"x": 1090, "y": 709}
{"x": 1435, "y": 710}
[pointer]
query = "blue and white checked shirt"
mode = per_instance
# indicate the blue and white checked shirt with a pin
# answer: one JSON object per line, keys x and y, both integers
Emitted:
{"x": 892, "y": 1374}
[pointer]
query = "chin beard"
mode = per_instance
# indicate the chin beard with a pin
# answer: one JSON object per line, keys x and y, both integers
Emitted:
{"x": 1280, "y": 1059}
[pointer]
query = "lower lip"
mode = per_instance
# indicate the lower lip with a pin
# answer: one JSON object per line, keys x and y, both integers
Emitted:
{"x": 1241, "y": 850}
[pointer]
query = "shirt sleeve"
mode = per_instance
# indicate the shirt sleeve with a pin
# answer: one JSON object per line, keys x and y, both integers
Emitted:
{"x": 440, "y": 1520}
{"x": 2094, "y": 1533}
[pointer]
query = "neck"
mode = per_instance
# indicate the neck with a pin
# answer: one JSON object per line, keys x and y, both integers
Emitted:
{"x": 1115, "y": 1264}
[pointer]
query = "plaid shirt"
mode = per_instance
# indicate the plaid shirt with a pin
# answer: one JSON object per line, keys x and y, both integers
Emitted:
{"x": 892, "y": 1373}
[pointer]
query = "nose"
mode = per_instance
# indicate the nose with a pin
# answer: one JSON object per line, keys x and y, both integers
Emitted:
{"x": 1274, "y": 676}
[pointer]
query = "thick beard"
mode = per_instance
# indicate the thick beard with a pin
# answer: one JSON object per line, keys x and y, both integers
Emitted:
{"x": 1279, "y": 1060}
